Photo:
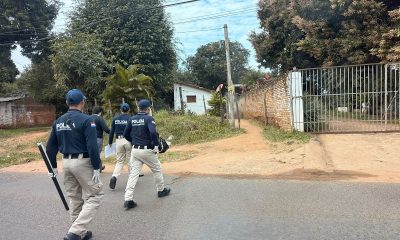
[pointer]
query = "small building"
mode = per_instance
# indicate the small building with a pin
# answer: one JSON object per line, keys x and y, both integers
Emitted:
{"x": 16, "y": 112}
{"x": 194, "y": 98}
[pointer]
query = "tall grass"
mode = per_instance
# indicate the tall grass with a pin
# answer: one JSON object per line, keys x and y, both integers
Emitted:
{"x": 189, "y": 129}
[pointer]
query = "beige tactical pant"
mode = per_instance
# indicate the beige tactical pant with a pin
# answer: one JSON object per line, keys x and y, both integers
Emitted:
{"x": 123, "y": 149}
{"x": 84, "y": 195}
{"x": 138, "y": 157}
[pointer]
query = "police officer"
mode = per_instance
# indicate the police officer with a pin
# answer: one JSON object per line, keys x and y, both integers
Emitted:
{"x": 101, "y": 127}
{"x": 141, "y": 132}
{"x": 74, "y": 136}
{"x": 123, "y": 147}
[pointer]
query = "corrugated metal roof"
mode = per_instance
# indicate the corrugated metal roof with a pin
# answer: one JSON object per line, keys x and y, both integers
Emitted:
{"x": 10, "y": 99}
{"x": 193, "y": 86}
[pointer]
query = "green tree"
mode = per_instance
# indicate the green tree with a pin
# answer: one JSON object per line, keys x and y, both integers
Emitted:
{"x": 217, "y": 104}
{"x": 38, "y": 82}
{"x": 128, "y": 84}
{"x": 132, "y": 32}
{"x": 8, "y": 70}
{"x": 339, "y": 32}
{"x": 26, "y": 23}
{"x": 389, "y": 46}
{"x": 208, "y": 65}
{"x": 78, "y": 62}
{"x": 311, "y": 33}
{"x": 251, "y": 78}
{"x": 276, "y": 45}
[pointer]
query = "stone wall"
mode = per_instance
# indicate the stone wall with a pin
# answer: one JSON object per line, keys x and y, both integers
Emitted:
{"x": 276, "y": 107}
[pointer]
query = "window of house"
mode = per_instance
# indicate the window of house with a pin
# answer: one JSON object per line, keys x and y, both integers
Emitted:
{"x": 191, "y": 99}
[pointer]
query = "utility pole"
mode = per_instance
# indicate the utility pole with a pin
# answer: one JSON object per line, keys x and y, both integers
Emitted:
{"x": 231, "y": 88}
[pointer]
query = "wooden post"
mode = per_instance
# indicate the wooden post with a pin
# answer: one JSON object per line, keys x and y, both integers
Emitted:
{"x": 231, "y": 88}
{"x": 180, "y": 95}
{"x": 238, "y": 112}
{"x": 205, "y": 108}
{"x": 265, "y": 111}
{"x": 123, "y": 100}
{"x": 95, "y": 102}
{"x": 221, "y": 108}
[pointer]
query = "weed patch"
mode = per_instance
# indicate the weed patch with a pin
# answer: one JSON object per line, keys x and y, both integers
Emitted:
{"x": 6, "y": 133}
{"x": 274, "y": 134}
{"x": 190, "y": 129}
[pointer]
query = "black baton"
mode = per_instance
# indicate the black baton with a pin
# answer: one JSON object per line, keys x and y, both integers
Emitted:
{"x": 50, "y": 169}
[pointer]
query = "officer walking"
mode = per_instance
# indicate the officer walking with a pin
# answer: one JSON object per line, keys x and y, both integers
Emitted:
{"x": 123, "y": 147}
{"x": 74, "y": 136}
{"x": 141, "y": 132}
{"x": 100, "y": 128}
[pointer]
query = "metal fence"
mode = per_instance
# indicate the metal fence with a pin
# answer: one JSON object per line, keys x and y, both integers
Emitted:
{"x": 357, "y": 98}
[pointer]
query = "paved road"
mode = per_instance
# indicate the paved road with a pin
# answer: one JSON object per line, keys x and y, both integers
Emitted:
{"x": 209, "y": 208}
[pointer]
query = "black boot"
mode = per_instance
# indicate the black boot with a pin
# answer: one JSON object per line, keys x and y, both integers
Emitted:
{"x": 129, "y": 204}
{"x": 72, "y": 236}
{"x": 113, "y": 181}
{"x": 88, "y": 235}
{"x": 165, "y": 192}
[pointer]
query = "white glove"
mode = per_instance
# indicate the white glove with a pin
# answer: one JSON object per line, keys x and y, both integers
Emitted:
{"x": 54, "y": 174}
{"x": 96, "y": 176}
{"x": 155, "y": 149}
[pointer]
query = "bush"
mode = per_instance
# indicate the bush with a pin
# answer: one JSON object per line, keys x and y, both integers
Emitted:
{"x": 188, "y": 129}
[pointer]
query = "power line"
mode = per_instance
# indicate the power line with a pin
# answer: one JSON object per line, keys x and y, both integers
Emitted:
{"x": 24, "y": 41}
{"x": 130, "y": 12}
{"x": 201, "y": 30}
{"x": 208, "y": 17}
{"x": 101, "y": 20}
{"x": 184, "y": 20}
{"x": 115, "y": 16}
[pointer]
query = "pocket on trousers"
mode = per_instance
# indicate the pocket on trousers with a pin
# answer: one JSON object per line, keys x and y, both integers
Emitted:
{"x": 95, "y": 187}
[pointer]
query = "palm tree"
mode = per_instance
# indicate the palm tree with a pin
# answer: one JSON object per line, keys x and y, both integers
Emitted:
{"x": 127, "y": 84}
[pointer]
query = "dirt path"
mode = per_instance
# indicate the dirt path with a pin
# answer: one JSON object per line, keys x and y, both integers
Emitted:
{"x": 350, "y": 157}
{"x": 246, "y": 154}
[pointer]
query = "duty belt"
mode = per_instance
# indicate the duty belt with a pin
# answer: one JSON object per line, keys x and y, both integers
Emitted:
{"x": 142, "y": 147}
{"x": 76, "y": 155}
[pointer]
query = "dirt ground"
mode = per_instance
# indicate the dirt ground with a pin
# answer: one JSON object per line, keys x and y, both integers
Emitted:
{"x": 350, "y": 157}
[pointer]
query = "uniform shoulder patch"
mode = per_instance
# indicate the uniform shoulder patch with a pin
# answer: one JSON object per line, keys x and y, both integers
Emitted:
{"x": 93, "y": 124}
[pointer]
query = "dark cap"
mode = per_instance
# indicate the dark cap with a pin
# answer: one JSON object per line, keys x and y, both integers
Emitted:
{"x": 144, "y": 103}
{"x": 125, "y": 107}
{"x": 74, "y": 96}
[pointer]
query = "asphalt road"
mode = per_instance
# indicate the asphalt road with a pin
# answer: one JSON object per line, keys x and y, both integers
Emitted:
{"x": 209, "y": 208}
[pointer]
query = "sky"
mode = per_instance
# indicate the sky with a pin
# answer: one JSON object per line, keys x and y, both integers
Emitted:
{"x": 195, "y": 24}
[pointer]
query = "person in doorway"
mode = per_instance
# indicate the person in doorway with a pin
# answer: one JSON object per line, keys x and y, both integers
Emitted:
{"x": 101, "y": 127}
{"x": 74, "y": 135}
{"x": 141, "y": 132}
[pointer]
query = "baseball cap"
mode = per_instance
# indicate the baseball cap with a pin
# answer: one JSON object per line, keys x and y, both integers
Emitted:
{"x": 144, "y": 103}
{"x": 74, "y": 96}
{"x": 125, "y": 107}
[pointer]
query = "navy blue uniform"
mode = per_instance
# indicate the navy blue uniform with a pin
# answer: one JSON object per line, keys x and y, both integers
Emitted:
{"x": 141, "y": 131}
{"x": 118, "y": 126}
{"x": 101, "y": 126}
{"x": 73, "y": 133}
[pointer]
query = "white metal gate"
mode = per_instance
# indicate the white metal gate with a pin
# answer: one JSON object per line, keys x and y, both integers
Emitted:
{"x": 356, "y": 98}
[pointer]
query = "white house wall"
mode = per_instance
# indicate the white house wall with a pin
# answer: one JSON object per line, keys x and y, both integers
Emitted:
{"x": 197, "y": 107}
